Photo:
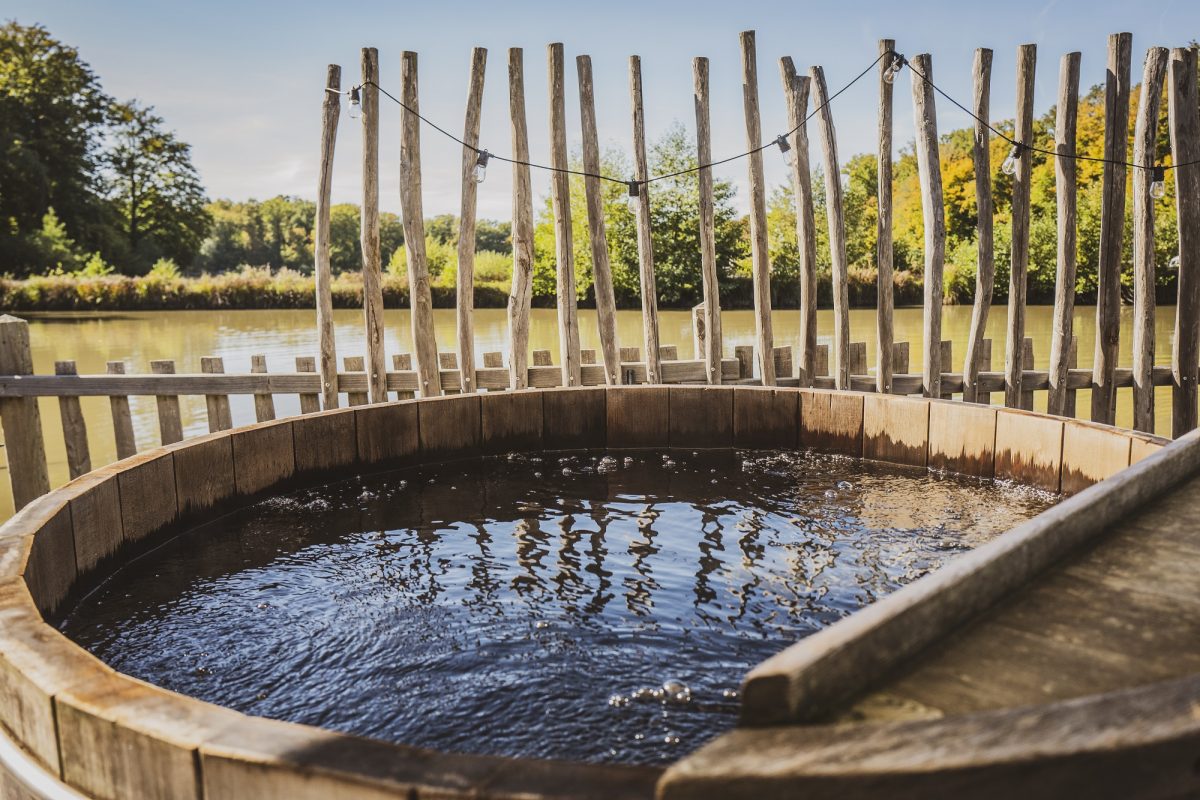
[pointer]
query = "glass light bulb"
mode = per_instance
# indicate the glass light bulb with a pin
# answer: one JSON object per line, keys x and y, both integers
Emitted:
{"x": 1009, "y": 167}
{"x": 889, "y": 75}
{"x": 633, "y": 199}
{"x": 355, "y": 109}
{"x": 1173, "y": 264}
{"x": 1158, "y": 190}
{"x": 479, "y": 173}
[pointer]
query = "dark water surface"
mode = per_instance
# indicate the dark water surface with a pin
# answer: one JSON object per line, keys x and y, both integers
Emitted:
{"x": 532, "y": 606}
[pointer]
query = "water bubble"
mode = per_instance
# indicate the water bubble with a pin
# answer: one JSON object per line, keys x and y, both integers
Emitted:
{"x": 669, "y": 739}
{"x": 637, "y": 737}
{"x": 431, "y": 480}
{"x": 666, "y": 457}
{"x": 537, "y": 474}
{"x": 674, "y": 687}
{"x": 264, "y": 605}
{"x": 541, "y": 624}
{"x": 403, "y": 484}
{"x": 845, "y": 485}
{"x": 566, "y": 472}
{"x": 628, "y": 461}
{"x": 714, "y": 481}
{"x": 606, "y": 465}
{"x": 669, "y": 464}
{"x": 618, "y": 701}
{"x": 729, "y": 694}
{"x": 830, "y": 494}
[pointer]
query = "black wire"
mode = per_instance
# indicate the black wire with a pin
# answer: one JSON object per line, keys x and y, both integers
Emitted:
{"x": 1029, "y": 147}
{"x": 623, "y": 181}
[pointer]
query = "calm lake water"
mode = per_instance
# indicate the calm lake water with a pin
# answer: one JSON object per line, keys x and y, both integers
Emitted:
{"x": 608, "y": 614}
{"x": 186, "y": 336}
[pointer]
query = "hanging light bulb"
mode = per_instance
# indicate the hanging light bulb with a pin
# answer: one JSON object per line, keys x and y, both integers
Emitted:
{"x": 480, "y": 171}
{"x": 1158, "y": 183}
{"x": 634, "y": 198}
{"x": 1173, "y": 264}
{"x": 889, "y": 74}
{"x": 1009, "y": 167}
{"x": 355, "y": 110}
{"x": 789, "y": 155}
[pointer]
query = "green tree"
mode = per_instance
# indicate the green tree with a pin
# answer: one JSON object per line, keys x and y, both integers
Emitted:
{"x": 154, "y": 188}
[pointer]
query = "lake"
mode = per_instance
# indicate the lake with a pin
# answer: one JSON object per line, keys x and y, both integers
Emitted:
{"x": 186, "y": 336}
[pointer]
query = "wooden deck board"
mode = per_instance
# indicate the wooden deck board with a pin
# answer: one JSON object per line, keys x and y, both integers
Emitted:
{"x": 1124, "y": 612}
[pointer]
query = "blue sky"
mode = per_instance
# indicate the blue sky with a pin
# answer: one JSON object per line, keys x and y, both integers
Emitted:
{"x": 241, "y": 81}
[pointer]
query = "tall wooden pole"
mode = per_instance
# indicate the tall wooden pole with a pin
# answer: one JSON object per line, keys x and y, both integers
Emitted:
{"x": 521, "y": 296}
{"x": 645, "y": 242}
{"x": 1065, "y": 125}
{"x": 560, "y": 193}
{"x": 429, "y": 379}
{"x": 1112, "y": 227}
{"x": 883, "y": 226}
{"x": 371, "y": 259}
{"x": 930, "y": 173}
{"x": 20, "y": 417}
{"x": 764, "y": 337}
{"x": 836, "y": 218}
{"x": 985, "y": 264}
{"x": 606, "y": 305}
{"x": 1184, "y": 113}
{"x": 331, "y": 108}
{"x": 1017, "y": 280}
{"x": 465, "y": 284}
{"x": 796, "y": 91}
{"x": 1144, "y": 152}
{"x": 708, "y": 241}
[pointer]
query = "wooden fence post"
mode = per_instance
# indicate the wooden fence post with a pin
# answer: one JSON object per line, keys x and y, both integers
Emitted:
{"x": 560, "y": 193}
{"x": 331, "y": 109}
{"x": 311, "y": 403}
{"x": 1112, "y": 228}
{"x": 763, "y": 336}
{"x": 465, "y": 283}
{"x": 355, "y": 364}
{"x": 122, "y": 419}
{"x": 264, "y": 403}
{"x": 170, "y": 426}
{"x": 708, "y": 241}
{"x": 429, "y": 379}
{"x": 219, "y": 416}
{"x": 985, "y": 266}
{"x": 837, "y": 232}
{"x": 521, "y": 296}
{"x": 934, "y": 214}
{"x": 883, "y": 226}
{"x": 372, "y": 264}
{"x": 402, "y": 362}
{"x": 1144, "y": 153}
{"x": 645, "y": 242}
{"x": 1065, "y": 190}
{"x": 1017, "y": 280}
{"x": 606, "y": 305}
{"x": 79, "y": 459}
{"x": 1184, "y": 114}
{"x": 21, "y": 420}
{"x": 796, "y": 90}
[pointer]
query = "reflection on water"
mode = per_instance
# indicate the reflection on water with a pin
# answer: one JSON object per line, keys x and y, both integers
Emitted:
{"x": 186, "y": 336}
{"x": 578, "y": 606}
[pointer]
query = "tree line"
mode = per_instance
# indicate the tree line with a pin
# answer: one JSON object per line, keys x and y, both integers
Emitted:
{"x": 90, "y": 185}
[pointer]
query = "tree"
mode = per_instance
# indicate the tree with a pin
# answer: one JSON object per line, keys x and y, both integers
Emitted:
{"x": 51, "y": 112}
{"x": 154, "y": 188}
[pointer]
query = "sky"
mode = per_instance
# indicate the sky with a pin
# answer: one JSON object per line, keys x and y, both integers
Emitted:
{"x": 242, "y": 81}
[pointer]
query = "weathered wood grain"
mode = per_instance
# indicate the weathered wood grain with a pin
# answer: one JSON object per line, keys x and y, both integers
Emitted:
{"x": 331, "y": 111}
{"x": 1184, "y": 120}
{"x": 638, "y": 416}
{"x": 575, "y": 419}
{"x": 387, "y": 434}
{"x": 220, "y": 418}
{"x": 264, "y": 455}
{"x": 645, "y": 243}
{"x": 372, "y": 262}
{"x": 355, "y": 364}
{"x": 464, "y": 303}
{"x": 325, "y": 441}
{"x": 170, "y": 426}
{"x": 701, "y": 416}
{"x": 766, "y": 417}
{"x": 985, "y": 265}
{"x": 934, "y": 216}
{"x": 883, "y": 224}
{"x": 22, "y": 421}
{"x": 264, "y": 403}
{"x": 896, "y": 429}
{"x": 962, "y": 438}
{"x": 835, "y": 215}
{"x": 310, "y": 402}
{"x": 450, "y": 427}
{"x": 1112, "y": 227}
{"x": 831, "y": 421}
{"x": 74, "y": 427}
{"x": 511, "y": 421}
{"x": 796, "y": 91}
{"x": 1019, "y": 268}
{"x": 1029, "y": 449}
{"x": 521, "y": 296}
{"x": 121, "y": 416}
{"x": 708, "y": 241}
{"x": 204, "y": 473}
{"x": 760, "y": 259}
{"x": 1065, "y": 190}
{"x": 1090, "y": 454}
{"x": 560, "y": 198}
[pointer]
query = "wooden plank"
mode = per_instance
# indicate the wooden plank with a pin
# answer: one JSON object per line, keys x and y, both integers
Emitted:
{"x": 587, "y": 356}
{"x": 387, "y": 434}
{"x": 1090, "y": 454}
{"x": 883, "y": 224}
{"x": 946, "y": 356}
{"x": 766, "y": 417}
{"x": 219, "y": 416}
{"x": 858, "y": 359}
{"x": 1027, "y": 360}
{"x": 701, "y": 416}
{"x": 602, "y": 286}
{"x": 985, "y": 365}
{"x": 645, "y": 242}
{"x": 934, "y": 215}
{"x": 264, "y": 455}
{"x": 1185, "y": 148}
{"x": 783, "y": 361}
{"x": 745, "y": 358}
{"x": 835, "y": 215}
{"x": 170, "y": 426}
{"x": 962, "y": 439}
{"x": 311, "y": 403}
{"x": 900, "y": 357}
{"x": 1018, "y": 272}
{"x": 667, "y": 352}
{"x": 832, "y": 422}
{"x": 1145, "y": 150}
{"x": 122, "y": 418}
{"x": 493, "y": 360}
{"x": 511, "y": 421}
{"x": 821, "y": 361}
{"x": 521, "y": 296}
{"x": 79, "y": 459}
{"x": 1029, "y": 449}
{"x": 403, "y": 362}
{"x": 638, "y": 416}
{"x": 355, "y": 364}
{"x": 1112, "y": 227}
{"x": 204, "y": 475}
{"x": 795, "y": 91}
{"x": 21, "y": 420}
{"x": 325, "y": 441}
{"x": 264, "y": 403}
{"x": 464, "y": 304}
{"x": 419, "y": 294}
{"x": 448, "y": 362}
{"x": 560, "y": 198}
{"x": 708, "y": 242}
{"x": 896, "y": 429}
{"x": 985, "y": 267}
{"x": 1065, "y": 190}
{"x": 541, "y": 358}
{"x": 760, "y": 259}
{"x": 331, "y": 111}
{"x": 1072, "y": 363}
{"x": 372, "y": 263}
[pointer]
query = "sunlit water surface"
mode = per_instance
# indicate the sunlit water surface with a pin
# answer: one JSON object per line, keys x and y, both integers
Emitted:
{"x": 589, "y": 607}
